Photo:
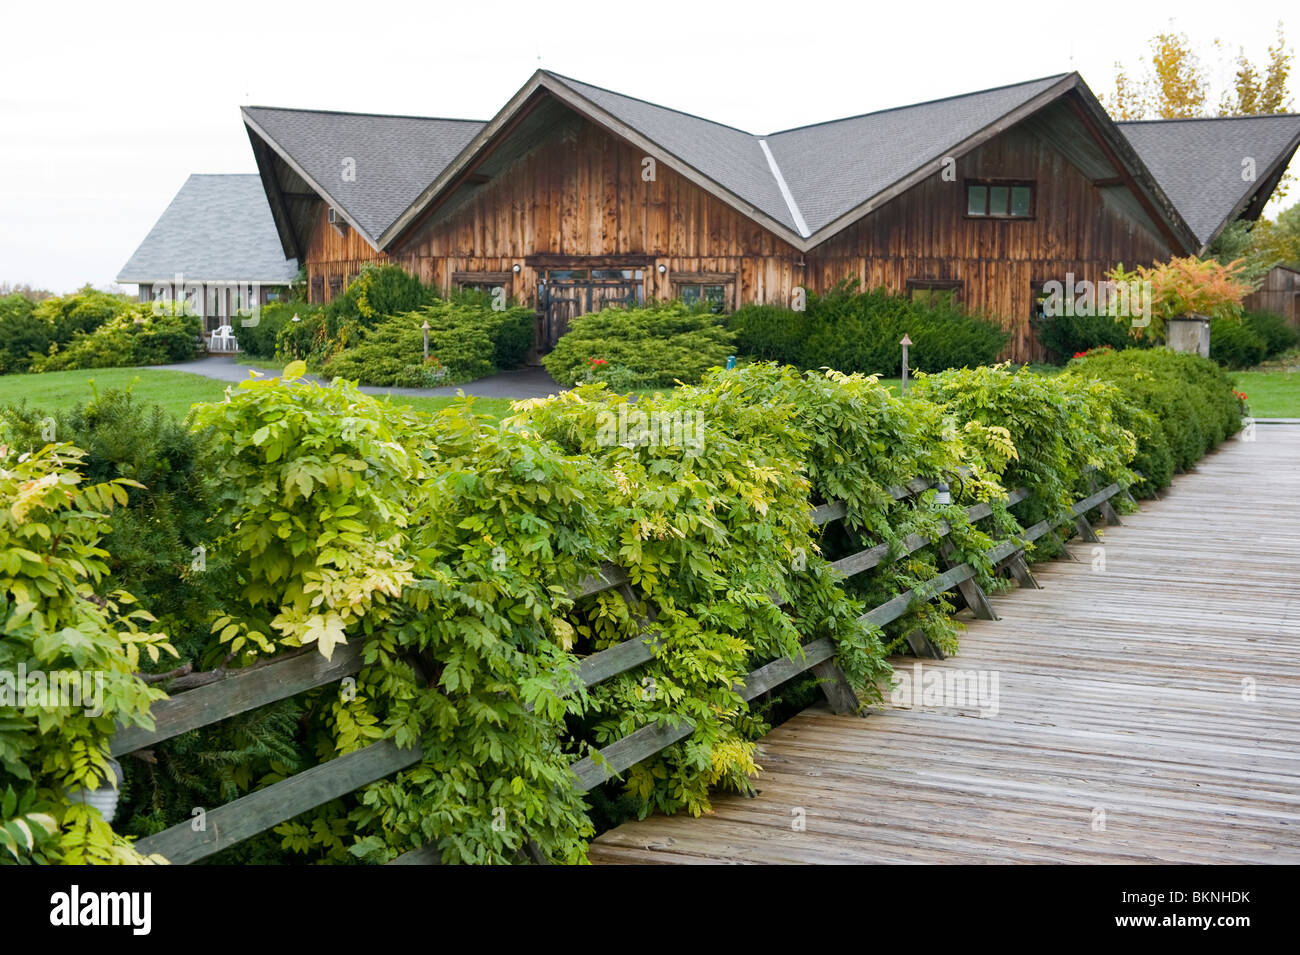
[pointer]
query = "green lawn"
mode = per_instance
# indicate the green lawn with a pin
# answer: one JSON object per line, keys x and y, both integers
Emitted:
{"x": 174, "y": 390}
{"x": 1272, "y": 393}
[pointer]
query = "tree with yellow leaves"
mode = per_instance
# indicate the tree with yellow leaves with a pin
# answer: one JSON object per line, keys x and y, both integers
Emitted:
{"x": 1175, "y": 83}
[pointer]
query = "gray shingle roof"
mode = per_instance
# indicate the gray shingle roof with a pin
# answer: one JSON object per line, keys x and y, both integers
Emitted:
{"x": 396, "y": 157}
{"x": 218, "y": 228}
{"x": 835, "y": 167}
{"x": 1198, "y": 162}
{"x": 730, "y": 157}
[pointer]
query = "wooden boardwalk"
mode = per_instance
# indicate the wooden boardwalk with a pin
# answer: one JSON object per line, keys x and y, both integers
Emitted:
{"x": 1146, "y": 712}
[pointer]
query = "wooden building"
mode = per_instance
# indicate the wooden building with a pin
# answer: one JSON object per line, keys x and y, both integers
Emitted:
{"x": 1278, "y": 293}
{"x": 573, "y": 196}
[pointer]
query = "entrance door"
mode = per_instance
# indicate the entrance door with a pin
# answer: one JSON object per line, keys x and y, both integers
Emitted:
{"x": 567, "y": 293}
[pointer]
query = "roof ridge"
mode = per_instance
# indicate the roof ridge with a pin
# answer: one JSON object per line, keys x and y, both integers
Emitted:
{"x": 928, "y": 102}
{"x": 347, "y": 112}
{"x": 637, "y": 99}
{"x": 784, "y": 188}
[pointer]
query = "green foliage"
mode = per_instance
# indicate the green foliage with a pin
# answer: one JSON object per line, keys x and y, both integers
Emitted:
{"x": 1278, "y": 336}
{"x": 156, "y": 545}
{"x": 59, "y": 618}
{"x": 1235, "y": 344}
{"x": 378, "y": 292}
{"x": 1068, "y": 335}
{"x": 260, "y": 340}
{"x": 135, "y": 336}
{"x": 1179, "y": 406}
{"x": 23, "y": 335}
{"x": 310, "y": 484}
{"x": 468, "y": 339}
{"x": 650, "y": 346}
{"x": 1059, "y": 425}
{"x": 82, "y": 312}
{"x": 860, "y": 331}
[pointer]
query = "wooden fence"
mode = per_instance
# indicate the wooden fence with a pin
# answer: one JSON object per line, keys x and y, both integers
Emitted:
{"x": 285, "y": 676}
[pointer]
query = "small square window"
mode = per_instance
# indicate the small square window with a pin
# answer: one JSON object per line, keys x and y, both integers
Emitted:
{"x": 977, "y": 198}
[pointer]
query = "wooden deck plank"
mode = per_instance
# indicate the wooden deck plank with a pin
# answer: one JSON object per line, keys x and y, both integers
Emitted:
{"x": 1126, "y": 689}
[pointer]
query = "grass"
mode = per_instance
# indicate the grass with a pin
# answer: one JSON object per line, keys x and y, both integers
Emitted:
{"x": 176, "y": 391}
{"x": 1272, "y": 390}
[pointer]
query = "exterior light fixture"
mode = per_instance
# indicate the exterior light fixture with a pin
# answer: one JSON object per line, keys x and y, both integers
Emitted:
{"x": 515, "y": 268}
{"x": 906, "y": 343}
{"x": 104, "y": 796}
{"x": 425, "y": 328}
{"x": 663, "y": 269}
{"x": 295, "y": 318}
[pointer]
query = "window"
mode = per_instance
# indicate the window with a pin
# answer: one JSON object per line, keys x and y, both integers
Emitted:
{"x": 934, "y": 292}
{"x": 271, "y": 296}
{"x": 997, "y": 199}
{"x": 714, "y": 288}
{"x": 715, "y": 295}
{"x": 317, "y": 289}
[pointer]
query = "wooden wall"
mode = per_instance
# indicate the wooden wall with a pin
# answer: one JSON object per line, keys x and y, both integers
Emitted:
{"x": 579, "y": 192}
{"x": 925, "y": 234}
{"x": 1279, "y": 293}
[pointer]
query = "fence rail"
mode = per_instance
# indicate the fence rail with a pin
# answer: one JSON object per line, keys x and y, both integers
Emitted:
{"x": 283, "y": 677}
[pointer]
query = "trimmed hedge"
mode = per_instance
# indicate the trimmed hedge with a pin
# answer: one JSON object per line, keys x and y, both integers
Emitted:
{"x": 1178, "y": 405}
{"x": 135, "y": 336}
{"x": 859, "y": 332}
{"x": 652, "y": 346}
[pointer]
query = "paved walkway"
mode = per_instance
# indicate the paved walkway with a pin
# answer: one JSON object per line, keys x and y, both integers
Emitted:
{"x": 513, "y": 385}
{"x": 1148, "y": 711}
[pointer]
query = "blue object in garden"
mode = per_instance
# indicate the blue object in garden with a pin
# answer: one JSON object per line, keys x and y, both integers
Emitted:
{"x": 731, "y": 362}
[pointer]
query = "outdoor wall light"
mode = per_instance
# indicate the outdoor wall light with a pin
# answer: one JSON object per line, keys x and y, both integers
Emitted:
{"x": 104, "y": 796}
{"x": 515, "y": 267}
{"x": 663, "y": 269}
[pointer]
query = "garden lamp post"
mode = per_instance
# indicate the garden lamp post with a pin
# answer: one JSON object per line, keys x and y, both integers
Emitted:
{"x": 906, "y": 343}
{"x": 425, "y": 329}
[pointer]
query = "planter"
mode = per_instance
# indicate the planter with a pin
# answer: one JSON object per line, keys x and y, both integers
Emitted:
{"x": 1189, "y": 333}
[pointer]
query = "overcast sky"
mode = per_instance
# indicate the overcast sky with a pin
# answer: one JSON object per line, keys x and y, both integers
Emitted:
{"x": 105, "y": 109}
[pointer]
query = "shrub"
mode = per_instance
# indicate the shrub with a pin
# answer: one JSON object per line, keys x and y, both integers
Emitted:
{"x": 377, "y": 293}
{"x": 467, "y": 340}
{"x": 57, "y": 615}
{"x": 135, "y": 337}
{"x": 260, "y": 340}
{"x": 83, "y": 312}
{"x": 1178, "y": 405}
{"x": 1235, "y": 345}
{"x": 309, "y": 339}
{"x": 23, "y": 335}
{"x": 656, "y": 345}
{"x": 1184, "y": 287}
{"x": 1067, "y": 335}
{"x": 1278, "y": 336}
{"x": 859, "y": 332}
{"x": 153, "y": 538}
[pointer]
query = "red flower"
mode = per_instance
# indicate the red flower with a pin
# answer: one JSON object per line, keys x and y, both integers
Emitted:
{"x": 596, "y": 361}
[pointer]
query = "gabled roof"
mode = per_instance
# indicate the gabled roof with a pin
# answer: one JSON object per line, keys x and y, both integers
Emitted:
{"x": 1199, "y": 162}
{"x": 218, "y": 228}
{"x": 836, "y": 166}
{"x": 393, "y": 157}
{"x": 802, "y": 184}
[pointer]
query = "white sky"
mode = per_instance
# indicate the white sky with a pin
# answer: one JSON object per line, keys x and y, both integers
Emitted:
{"x": 106, "y": 108}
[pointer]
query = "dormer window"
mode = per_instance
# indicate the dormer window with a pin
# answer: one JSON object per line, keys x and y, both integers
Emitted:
{"x": 999, "y": 199}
